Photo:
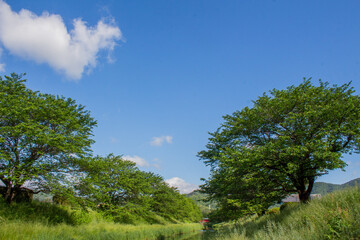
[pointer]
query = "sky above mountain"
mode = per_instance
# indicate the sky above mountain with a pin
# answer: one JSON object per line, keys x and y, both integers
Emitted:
{"x": 159, "y": 75}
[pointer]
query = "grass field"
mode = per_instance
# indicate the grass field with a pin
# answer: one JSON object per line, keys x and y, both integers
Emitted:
{"x": 45, "y": 221}
{"x": 97, "y": 231}
{"x": 335, "y": 216}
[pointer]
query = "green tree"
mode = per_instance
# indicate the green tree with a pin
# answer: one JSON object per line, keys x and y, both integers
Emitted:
{"x": 170, "y": 204}
{"x": 115, "y": 181}
{"x": 129, "y": 195}
{"x": 281, "y": 144}
{"x": 41, "y": 136}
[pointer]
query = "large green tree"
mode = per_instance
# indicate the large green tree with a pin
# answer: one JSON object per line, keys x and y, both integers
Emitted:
{"x": 41, "y": 136}
{"x": 281, "y": 144}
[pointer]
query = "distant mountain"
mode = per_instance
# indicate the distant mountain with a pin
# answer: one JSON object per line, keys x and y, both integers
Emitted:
{"x": 324, "y": 188}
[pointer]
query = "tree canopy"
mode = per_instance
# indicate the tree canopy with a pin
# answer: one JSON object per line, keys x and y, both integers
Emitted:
{"x": 281, "y": 144}
{"x": 40, "y": 135}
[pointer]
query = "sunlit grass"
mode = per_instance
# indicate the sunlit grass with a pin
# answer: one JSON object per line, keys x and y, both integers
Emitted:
{"x": 45, "y": 221}
{"x": 36, "y": 231}
{"x": 335, "y": 216}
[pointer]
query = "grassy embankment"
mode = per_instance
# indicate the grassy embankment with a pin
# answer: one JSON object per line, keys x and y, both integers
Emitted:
{"x": 47, "y": 221}
{"x": 335, "y": 216}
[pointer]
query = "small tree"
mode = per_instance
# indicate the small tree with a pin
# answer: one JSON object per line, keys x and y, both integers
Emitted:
{"x": 282, "y": 144}
{"x": 41, "y": 135}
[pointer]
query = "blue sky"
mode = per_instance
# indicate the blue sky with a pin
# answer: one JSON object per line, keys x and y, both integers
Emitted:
{"x": 159, "y": 75}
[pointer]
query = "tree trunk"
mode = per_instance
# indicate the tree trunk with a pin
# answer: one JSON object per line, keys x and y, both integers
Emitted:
{"x": 304, "y": 197}
{"x": 9, "y": 194}
{"x": 304, "y": 194}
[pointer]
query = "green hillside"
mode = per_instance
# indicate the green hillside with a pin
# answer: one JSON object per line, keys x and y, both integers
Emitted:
{"x": 325, "y": 188}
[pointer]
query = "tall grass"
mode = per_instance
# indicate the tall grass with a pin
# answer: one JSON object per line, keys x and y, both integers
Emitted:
{"x": 97, "y": 231}
{"x": 45, "y": 213}
{"x": 335, "y": 216}
{"x": 45, "y": 221}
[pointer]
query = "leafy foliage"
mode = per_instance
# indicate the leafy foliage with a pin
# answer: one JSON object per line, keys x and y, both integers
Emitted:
{"x": 173, "y": 206}
{"x": 118, "y": 188}
{"x": 112, "y": 180}
{"x": 281, "y": 145}
{"x": 40, "y": 135}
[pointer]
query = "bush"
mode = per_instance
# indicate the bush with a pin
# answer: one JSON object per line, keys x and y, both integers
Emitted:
{"x": 275, "y": 210}
{"x": 45, "y": 213}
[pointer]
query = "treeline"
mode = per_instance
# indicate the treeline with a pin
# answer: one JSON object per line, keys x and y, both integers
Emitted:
{"x": 128, "y": 195}
{"x": 45, "y": 146}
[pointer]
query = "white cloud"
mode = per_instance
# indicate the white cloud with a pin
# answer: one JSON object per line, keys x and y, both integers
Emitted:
{"x": 142, "y": 162}
{"x": 45, "y": 39}
{"x": 138, "y": 160}
{"x": 2, "y": 65}
{"x": 159, "y": 141}
{"x": 181, "y": 185}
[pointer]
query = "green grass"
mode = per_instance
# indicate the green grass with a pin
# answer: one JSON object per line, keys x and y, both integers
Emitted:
{"x": 335, "y": 216}
{"x": 46, "y": 221}
{"x": 46, "y": 213}
{"x": 95, "y": 231}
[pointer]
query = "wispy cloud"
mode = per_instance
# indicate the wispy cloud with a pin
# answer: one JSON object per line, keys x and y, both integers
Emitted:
{"x": 181, "y": 185}
{"x": 159, "y": 141}
{"x": 141, "y": 162}
{"x": 45, "y": 39}
{"x": 156, "y": 163}
{"x": 138, "y": 160}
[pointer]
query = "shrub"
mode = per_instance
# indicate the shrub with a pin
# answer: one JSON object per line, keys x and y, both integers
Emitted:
{"x": 275, "y": 210}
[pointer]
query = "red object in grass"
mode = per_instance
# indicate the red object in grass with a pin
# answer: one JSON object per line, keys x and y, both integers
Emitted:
{"x": 205, "y": 220}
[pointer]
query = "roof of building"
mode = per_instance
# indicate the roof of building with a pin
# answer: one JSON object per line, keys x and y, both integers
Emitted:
{"x": 295, "y": 197}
